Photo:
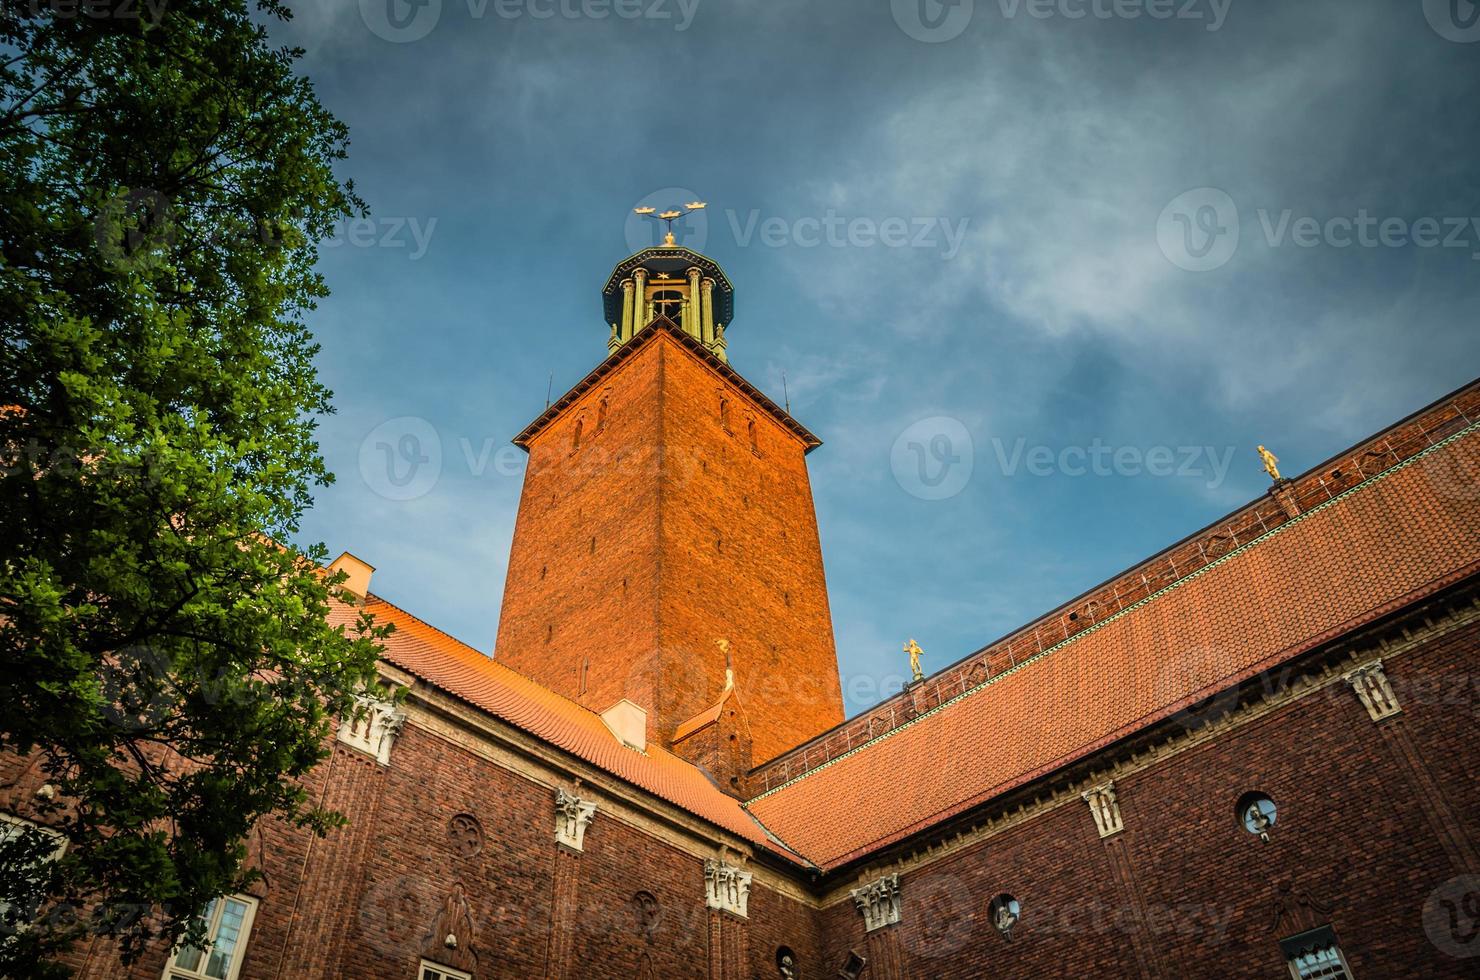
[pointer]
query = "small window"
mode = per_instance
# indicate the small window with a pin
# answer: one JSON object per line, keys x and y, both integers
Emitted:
{"x": 786, "y": 964}
{"x": 228, "y": 922}
{"x": 436, "y": 971}
{"x": 575, "y": 438}
{"x": 601, "y": 415}
{"x": 1004, "y": 913}
{"x": 750, "y": 434}
{"x": 724, "y": 413}
{"x": 1315, "y": 955}
{"x": 1256, "y": 813}
{"x": 49, "y": 846}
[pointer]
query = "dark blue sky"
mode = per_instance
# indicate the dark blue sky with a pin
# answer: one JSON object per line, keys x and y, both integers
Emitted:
{"x": 1040, "y": 281}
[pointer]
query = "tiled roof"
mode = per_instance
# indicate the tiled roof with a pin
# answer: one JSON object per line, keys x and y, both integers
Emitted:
{"x": 1399, "y": 442}
{"x": 1372, "y": 549}
{"x": 477, "y": 679}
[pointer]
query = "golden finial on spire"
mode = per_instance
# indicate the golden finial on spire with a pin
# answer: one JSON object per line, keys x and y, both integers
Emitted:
{"x": 669, "y": 217}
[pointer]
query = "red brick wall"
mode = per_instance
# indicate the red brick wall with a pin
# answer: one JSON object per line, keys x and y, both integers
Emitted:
{"x": 1350, "y": 831}
{"x": 696, "y": 537}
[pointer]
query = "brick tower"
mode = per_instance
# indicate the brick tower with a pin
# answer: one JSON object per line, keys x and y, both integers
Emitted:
{"x": 666, "y": 547}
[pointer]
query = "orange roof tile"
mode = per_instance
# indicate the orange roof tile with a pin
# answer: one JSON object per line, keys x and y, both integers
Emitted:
{"x": 1378, "y": 546}
{"x": 464, "y": 672}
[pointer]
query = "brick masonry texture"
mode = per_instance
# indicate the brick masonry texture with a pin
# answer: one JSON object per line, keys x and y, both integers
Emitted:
{"x": 1375, "y": 819}
{"x": 661, "y": 532}
{"x": 364, "y": 903}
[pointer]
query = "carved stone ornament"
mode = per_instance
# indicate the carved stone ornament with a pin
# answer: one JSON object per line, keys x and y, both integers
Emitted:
{"x": 572, "y": 816}
{"x": 1370, "y": 683}
{"x": 727, "y": 888}
{"x": 465, "y": 834}
{"x": 372, "y": 727}
{"x": 879, "y": 902}
{"x": 648, "y": 913}
{"x": 451, "y": 939}
{"x": 1105, "y": 809}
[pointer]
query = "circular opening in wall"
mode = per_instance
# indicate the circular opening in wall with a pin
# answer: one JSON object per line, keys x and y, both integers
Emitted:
{"x": 1256, "y": 813}
{"x": 1004, "y": 913}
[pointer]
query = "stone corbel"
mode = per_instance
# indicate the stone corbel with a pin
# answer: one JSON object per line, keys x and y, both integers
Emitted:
{"x": 1104, "y": 807}
{"x": 1370, "y": 683}
{"x": 372, "y": 727}
{"x": 572, "y": 816}
{"x": 727, "y": 888}
{"x": 879, "y": 902}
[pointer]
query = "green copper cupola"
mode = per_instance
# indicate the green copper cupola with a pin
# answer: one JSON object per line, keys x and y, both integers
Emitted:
{"x": 674, "y": 282}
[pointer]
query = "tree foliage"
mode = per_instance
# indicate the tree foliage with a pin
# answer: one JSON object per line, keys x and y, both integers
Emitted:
{"x": 164, "y": 179}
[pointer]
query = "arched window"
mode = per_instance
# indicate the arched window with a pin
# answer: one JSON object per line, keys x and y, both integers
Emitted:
{"x": 575, "y": 437}
{"x": 750, "y": 434}
{"x": 724, "y": 413}
{"x": 669, "y": 303}
{"x": 601, "y": 415}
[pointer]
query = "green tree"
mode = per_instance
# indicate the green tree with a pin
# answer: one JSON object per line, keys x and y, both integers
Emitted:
{"x": 164, "y": 179}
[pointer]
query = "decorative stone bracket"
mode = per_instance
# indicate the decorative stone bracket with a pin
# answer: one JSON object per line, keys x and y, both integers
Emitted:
{"x": 727, "y": 888}
{"x": 879, "y": 902}
{"x": 372, "y": 727}
{"x": 1104, "y": 808}
{"x": 572, "y": 816}
{"x": 1370, "y": 683}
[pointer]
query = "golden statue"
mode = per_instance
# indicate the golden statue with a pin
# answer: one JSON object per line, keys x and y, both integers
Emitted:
{"x": 724, "y": 647}
{"x": 913, "y": 649}
{"x": 1271, "y": 464}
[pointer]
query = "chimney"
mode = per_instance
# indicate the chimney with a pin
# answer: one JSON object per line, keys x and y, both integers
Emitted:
{"x": 359, "y": 573}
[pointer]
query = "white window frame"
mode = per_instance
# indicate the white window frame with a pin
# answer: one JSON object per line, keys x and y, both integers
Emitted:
{"x": 174, "y": 972}
{"x": 1325, "y": 941}
{"x": 440, "y": 972}
{"x": 11, "y": 820}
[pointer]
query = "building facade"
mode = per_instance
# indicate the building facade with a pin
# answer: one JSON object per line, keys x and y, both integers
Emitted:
{"x": 1251, "y": 755}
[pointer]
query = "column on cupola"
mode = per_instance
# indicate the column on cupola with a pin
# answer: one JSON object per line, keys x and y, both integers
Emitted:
{"x": 639, "y": 300}
{"x": 706, "y": 316}
{"x": 629, "y": 313}
{"x": 691, "y": 314}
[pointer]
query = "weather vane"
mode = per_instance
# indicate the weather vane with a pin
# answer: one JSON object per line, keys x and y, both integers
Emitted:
{"x": 669, "y": 217}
